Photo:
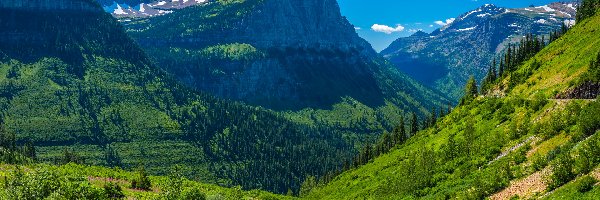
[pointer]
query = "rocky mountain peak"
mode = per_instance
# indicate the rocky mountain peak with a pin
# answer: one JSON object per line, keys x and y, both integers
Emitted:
{"x": 420, "y": 34}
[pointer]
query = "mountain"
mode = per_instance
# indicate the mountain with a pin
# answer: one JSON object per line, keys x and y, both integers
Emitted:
{"x": 445, "y": 58}
{"x": 508, "y": 143}
{"x": 133, "y": 9}
{"x": 72, "y": 80}
{"x": 282, "y": 55}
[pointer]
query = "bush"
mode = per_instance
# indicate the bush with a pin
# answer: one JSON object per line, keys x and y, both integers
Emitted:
{"x": 585, "y": 184}
{"x": 589, "y": 118}
{"x": 113, "y": 191}
{"x": 539, "y": 162}
{"x": 562, "y": 171}
{"x": 192, "y": 193}
{"x": 141, "y": 180}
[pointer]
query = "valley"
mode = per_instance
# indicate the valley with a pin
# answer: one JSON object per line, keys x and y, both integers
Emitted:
{"x": 281, "y": 99}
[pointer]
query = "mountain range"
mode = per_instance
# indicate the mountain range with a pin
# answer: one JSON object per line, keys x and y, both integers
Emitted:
{"x": 282, "y": 55}
{"x": 445, "y": 58}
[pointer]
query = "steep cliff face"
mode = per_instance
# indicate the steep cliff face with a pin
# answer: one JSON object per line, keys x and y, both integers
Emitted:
{"x": 281, "y": 54}
{"x": 467, "y": 46}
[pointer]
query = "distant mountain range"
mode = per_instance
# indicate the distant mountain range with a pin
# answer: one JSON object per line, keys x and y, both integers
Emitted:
{"x": 279, "y": 54}
{"x": 445, "y": 58}
{"x": 124, "y": 9}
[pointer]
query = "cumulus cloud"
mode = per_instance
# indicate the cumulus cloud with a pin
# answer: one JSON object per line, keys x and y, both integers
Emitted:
{"x": 387, "y": 29}
{"x": 444, "y": 23}
{"x": 414, "y": 30}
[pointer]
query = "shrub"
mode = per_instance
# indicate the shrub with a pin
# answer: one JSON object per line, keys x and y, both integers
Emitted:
{"x": 539, "y": 162}
{"x": 141, "y": 180}
{"x": 113, "y": 191}
{"x": 192, "y": 193}
{"x": 589, "y": 118}
{"x": 585, "y": 184}
{"x": 562, "y": 171}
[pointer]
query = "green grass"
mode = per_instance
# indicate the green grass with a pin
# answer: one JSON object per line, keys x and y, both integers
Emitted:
{"x": 470, "y": 169}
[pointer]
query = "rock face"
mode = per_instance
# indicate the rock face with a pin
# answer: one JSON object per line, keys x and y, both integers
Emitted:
{"x": 467, "y": 46}
{"x": 300, "y": 54}
{"x": 79, "y": 5}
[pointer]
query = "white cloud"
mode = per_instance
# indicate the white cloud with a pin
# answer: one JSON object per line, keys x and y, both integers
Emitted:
{"x": 414, "y": 30}
{"x": 444, "y": 23}
{"x": 387, "y": 29}
{"x": 357, "y": 28}
{"x": 431, "y": 25}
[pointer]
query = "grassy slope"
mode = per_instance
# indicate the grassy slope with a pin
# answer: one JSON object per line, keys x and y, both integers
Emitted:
{"x": 562, "y": 62}
{"x": 98, "y": 176}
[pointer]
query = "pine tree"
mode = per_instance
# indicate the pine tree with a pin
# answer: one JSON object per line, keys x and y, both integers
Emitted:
{"x": 587, "y": 9}
{"x": 490, "y": 78}
{"x": 433, "y": 117}
{"x": 471, "y": 91}
{"x": 501, "y": 69}
{"x": 111, "y": 157}
{"x": 399, "y": 132}
{"x": 414, "y": 125}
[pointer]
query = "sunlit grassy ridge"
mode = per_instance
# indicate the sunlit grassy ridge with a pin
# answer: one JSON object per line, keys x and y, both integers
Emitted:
{"x": 488, "y": 145}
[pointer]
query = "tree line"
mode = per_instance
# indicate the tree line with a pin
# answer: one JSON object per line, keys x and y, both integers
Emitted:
{"x": 509, "y": 62}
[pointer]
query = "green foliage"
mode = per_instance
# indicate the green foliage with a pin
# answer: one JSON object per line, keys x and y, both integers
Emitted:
{"x": 43, "y": 183}
{"x": 588, "y": 119}
{"x": 112, "y": 157}
{"x": 309, "y": 183}
{"x": 84, "y": 92}
{"x": 562, "y": 171}
{"x": 74, "y": 181}
{"x": 141, "y": 180}
{"x": 471, "y": 91}
{"x": 585, "y": 184}
{"x": 483, "y": 145}
{"x": 113, "y": 191}
{"x": 587, "y": 9}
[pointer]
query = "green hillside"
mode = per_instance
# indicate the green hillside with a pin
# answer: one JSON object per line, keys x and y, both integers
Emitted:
{"x": 72, "y": 80}
{"x": 516, "y": 140}
{"x": 74, "y": 181}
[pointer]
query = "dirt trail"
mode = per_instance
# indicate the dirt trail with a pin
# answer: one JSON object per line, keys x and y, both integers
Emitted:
{"x": 524, "y": 188}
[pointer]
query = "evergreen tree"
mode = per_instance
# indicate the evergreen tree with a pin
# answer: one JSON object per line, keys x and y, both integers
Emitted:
{"x": 433, "y": 117}
{"x": 490, "y": 78}
{"x": 587, "y": 9}
{"x": 471, "y": 90}
{"x": 501, "y": 69}
{"x": 414, "y": 125}
{"x": 309, "y": 183}
{"x": 399, "y": 132}
{"x": 111, "y": 157}
{"x": 141, "y": 180}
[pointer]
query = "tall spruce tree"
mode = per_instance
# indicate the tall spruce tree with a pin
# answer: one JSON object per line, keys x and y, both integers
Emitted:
{"x": 414, "y": 124}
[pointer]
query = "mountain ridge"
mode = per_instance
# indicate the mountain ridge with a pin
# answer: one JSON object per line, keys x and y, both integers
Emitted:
{"x": 468, "y": 45}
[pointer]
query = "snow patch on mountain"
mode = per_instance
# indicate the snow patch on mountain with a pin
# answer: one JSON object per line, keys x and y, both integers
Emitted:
{"x": 155, "y": 8}
{"x": 467, "y": 29}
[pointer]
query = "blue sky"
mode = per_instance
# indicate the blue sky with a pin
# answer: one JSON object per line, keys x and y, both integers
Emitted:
{"x": 411, "y": 15}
